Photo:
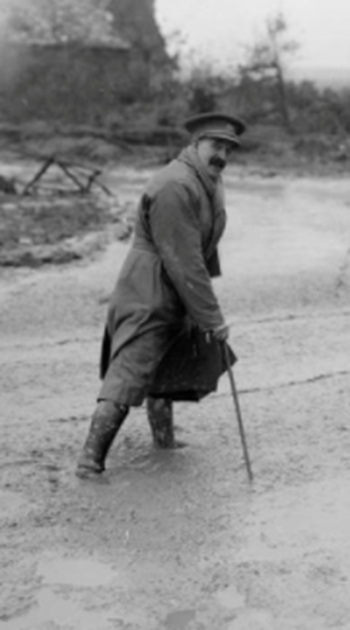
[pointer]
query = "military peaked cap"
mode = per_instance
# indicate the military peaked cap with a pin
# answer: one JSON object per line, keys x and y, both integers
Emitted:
{"x": 216, "y": 125}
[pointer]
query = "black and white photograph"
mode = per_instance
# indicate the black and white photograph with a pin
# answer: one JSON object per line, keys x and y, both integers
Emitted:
{"x": 174, "y": 315}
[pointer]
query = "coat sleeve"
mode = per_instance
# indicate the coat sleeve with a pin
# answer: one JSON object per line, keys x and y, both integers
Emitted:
{"x": 176, "y": 234}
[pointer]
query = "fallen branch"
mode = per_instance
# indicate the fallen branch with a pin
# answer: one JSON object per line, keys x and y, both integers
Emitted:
{"x": 66, "y": 170}
{"x": 88, "y": 173}
{"x": 38, "y": 176}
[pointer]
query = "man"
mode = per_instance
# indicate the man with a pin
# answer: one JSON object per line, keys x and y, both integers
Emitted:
{"x": 164, "y": 284}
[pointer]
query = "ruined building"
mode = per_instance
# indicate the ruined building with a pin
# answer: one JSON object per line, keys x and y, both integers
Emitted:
{"x": 83, "y": 68}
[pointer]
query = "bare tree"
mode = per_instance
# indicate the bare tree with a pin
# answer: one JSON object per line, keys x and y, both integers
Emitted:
{"x": 267, "y": 61}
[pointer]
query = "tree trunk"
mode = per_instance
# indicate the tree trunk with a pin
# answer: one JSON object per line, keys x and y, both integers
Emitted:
{"x": 283, "y": 101}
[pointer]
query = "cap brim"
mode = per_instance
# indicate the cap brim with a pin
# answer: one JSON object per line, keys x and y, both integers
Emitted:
{"x": 202, "y": 120}
{"x": 220, "y": 136}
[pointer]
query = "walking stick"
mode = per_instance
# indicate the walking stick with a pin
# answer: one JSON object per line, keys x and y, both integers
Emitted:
{"x": 238, "y": 410}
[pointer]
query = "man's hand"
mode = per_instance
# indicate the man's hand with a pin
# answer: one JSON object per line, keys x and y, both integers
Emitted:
{"x": 221, "y": 333}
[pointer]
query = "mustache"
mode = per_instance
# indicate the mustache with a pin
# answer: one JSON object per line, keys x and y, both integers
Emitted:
{"x": 217, "y": 161}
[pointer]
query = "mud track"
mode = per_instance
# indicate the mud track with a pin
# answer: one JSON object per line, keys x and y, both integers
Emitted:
{"x": 182, "y": 541}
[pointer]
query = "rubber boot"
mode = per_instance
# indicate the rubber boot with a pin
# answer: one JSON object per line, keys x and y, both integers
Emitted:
{"x": 106, "y": 422}
{"x": 160, "y": 418}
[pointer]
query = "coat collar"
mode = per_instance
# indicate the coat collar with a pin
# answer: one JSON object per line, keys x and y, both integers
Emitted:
{"x": 215, "y": 192}
{"x": 190, "y": 157}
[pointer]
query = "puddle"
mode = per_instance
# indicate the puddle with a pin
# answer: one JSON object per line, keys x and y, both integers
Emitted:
{"x": 253, "y": 620}
{"x": 12, "y": 504}
{"x": 230, "y": 598}
{"x": 60, "y": 612}
{"x": 86, "y": 573}
{"x": 55, "y": 608}
{"x": 283, "y": 524}
{"x": 179, "y": 619}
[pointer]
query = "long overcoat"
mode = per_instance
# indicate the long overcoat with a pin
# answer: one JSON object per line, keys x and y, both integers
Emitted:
{"x": 165, "y": 281}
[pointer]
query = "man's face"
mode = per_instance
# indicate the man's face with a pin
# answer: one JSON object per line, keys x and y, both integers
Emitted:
{"x": 213, "y": 154}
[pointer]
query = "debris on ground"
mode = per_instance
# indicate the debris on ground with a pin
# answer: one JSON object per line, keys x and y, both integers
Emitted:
{"x": 63, "y": 212}
{"x": 7, "y": 185}
{"x": 83, "y": 176}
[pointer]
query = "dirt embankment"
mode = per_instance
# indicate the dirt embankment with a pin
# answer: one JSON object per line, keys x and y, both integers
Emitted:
{"x": 59, "y": 218}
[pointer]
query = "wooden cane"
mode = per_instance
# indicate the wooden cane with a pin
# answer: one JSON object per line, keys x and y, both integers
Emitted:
{"x": 238, "y": 411}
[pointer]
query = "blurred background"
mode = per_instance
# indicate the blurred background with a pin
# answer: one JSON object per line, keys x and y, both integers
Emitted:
{"x": 116, "y": 74}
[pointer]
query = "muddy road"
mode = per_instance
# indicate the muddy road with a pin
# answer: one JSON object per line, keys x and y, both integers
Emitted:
{"x": 181, "y": 540}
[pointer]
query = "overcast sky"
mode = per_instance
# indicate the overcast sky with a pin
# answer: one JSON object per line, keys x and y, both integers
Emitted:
{"x": 219, "y": 29}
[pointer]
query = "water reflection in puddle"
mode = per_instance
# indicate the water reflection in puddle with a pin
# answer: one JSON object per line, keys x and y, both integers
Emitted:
{"x": 299, "y": 520}
{"x": 230, "y": 598}
{"x": 179, "y": 619}
{"x": 52, "y": 609}
{"x": 84, "y": 572}
{"x": 56, "y": 608}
